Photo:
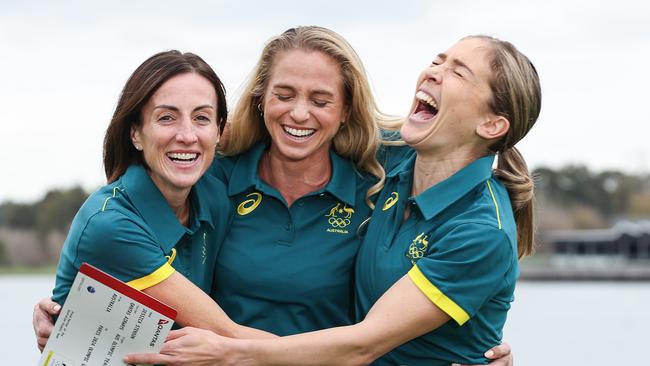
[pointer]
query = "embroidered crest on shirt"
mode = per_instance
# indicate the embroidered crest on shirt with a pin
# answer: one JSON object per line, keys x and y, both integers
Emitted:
{"x": 339, "y": 217}
{"x": 390, "y": 201}
{"x": 249, "y": 205}
{"x": 417, "y": 248}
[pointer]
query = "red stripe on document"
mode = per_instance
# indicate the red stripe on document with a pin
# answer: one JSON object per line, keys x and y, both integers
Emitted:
{"x": 127, "y": 290}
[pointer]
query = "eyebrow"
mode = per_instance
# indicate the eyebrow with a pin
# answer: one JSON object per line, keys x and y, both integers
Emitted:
{"x": 174, "y": 108}
{"x": 456, "y": 62}
{"x": 317, "y": 91}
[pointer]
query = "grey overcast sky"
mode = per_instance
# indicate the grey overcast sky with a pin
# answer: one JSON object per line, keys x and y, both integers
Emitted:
{"x": 64, "y": 62}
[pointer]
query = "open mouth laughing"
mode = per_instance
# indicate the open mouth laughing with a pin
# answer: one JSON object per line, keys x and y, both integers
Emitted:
{"x": 426, "y": 109}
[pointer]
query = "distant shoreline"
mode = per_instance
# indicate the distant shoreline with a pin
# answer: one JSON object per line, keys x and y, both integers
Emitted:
{"x": 28, "y": 271}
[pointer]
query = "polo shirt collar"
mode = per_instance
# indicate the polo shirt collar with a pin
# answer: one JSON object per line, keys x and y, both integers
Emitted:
{"x": 342, "y": 185}
{"x": 244, "y": 173}
{"x": 200, "y": 210}
{"x": 405, "y": 167}
{"x": 152, "y": 206}
{"x": 435, "y": 199}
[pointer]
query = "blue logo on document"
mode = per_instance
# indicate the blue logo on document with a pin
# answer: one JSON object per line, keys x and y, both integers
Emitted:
{"x": 90, "y": 289}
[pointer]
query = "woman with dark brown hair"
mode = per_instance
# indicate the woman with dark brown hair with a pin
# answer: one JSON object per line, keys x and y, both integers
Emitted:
{"x": 158, "y": 223}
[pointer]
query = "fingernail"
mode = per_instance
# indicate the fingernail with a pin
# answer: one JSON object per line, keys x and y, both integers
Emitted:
{"x": 57, "y": 307}
{"x": 489, "y": 354}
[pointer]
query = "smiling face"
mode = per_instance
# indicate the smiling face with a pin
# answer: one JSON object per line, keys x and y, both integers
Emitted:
{"x": 451, "y": 101}
{"x": 178, "y": 132}
{"x": 303, "y": 105}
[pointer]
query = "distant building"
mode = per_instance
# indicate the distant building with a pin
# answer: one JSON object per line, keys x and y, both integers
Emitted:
{"x": 627, "y": 239}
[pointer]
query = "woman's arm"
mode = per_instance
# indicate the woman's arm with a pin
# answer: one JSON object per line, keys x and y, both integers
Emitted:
{"x": 197, "y": 309}
{"x": 401, "y": 314}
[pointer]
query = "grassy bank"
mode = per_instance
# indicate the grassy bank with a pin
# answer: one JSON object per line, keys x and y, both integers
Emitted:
{"x": 40, "y": 270}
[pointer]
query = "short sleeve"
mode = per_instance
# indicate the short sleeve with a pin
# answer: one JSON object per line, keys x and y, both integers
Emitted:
{"x": 124, "y": 248}
{"x": 464, "y": 268}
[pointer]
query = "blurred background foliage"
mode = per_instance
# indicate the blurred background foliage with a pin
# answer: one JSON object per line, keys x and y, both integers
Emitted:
{"x": 571, "y": 197}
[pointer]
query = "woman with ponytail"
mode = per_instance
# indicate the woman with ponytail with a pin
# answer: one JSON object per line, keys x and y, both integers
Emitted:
{"x": 436, "y": 271}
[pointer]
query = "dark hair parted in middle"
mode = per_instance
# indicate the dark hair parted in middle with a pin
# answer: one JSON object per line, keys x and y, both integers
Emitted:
{"x": 119, "y": 151}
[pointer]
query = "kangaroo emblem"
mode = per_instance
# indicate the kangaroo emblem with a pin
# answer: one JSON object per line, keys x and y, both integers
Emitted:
{"x": 339, "y": 218}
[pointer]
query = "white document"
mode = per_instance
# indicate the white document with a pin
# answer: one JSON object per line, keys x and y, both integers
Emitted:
{"x": 102, "y": 320}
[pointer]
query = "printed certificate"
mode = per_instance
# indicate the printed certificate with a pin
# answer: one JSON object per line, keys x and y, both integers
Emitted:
{"x": 102, "y": 320}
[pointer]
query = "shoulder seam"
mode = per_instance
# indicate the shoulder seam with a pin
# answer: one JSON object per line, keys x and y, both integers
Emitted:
{"x": 496, "y": 205}
{"x": 115, "y": 190}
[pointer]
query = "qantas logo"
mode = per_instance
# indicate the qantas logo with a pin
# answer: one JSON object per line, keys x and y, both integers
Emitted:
{"x": 161, "y": 322}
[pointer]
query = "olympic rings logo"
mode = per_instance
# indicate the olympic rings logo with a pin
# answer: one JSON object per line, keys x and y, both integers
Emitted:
{"x": 391, "y": 201}
{"x": 250, "y": 204}
{"x": 415, "y": 253}
{"x": 338, "y": 222}
{"x": 417, "y": 248}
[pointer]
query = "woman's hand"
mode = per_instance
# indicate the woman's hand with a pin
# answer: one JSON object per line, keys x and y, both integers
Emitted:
{"x": 501, "y": 354}
{"x": 42, "y": 321}
{"x": 195, "y": 347}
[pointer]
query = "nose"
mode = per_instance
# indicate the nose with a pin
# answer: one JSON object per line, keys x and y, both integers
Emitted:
{"x": 185, "y": 132}
{"x": 434, "y": 73}
{"x": 300, "y": 111}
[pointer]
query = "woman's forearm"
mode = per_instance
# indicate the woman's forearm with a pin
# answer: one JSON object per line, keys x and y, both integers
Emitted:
{"x": 401, "y": 314}
{"x": 196, "y": 309}
{"x": 350, "y": 345}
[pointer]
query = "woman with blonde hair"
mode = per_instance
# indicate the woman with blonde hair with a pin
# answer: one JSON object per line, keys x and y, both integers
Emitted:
{"x": 300, "y": 167}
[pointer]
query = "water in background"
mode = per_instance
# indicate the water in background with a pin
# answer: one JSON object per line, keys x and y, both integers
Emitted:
{"x": 550, "y": 323}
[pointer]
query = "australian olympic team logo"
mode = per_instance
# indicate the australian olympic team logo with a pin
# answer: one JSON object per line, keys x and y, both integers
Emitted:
{"x": 390, "y": 201}
{"x": 339, "y": 217}
{"x": 417, "y": 248}
{"x": 250, "y": 204}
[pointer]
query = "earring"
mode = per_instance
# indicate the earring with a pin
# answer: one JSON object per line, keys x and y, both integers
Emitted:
{"x": 137, "y": 147}
{"x": 259, "y": 108}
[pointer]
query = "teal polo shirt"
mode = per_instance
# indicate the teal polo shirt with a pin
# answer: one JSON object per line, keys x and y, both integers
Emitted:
{"x": 128, "y": 230}
{"x": 459, "y": 248}
{"x": 285, "y": 269}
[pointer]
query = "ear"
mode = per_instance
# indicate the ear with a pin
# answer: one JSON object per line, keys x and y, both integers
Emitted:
{"x": 346, "y": 113}
{"x": 135, "y": 138}
{"x": 493, "y": 127}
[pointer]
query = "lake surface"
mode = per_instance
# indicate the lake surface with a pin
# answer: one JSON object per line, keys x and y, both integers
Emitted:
{"x": 550, "y": 323}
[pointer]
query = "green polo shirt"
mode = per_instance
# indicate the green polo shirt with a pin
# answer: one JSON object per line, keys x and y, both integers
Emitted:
{"x": 128, "y": 230}
{"x": 284, "y": 269}
{"x": 458, "y": 246}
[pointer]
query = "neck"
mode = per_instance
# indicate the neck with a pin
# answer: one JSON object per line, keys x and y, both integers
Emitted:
{"x": 178, "y": 200}
{"x": 182, "y": 212}
{"x": 294, "y": 179}
{"x": 431, "y": 169}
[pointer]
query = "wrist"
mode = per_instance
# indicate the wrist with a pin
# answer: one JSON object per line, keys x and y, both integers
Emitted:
{"x": 247, "y": 351}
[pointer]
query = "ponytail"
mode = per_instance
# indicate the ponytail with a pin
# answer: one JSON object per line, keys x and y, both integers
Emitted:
{"x": 516, "y": 96}
{"x": 513, "y": 173}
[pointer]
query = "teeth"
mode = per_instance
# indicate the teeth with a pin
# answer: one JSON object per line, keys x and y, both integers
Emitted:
{"x": 183, "y": 156}
{"x": 297, "y": 132}
{"x": 426, "y": 98}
